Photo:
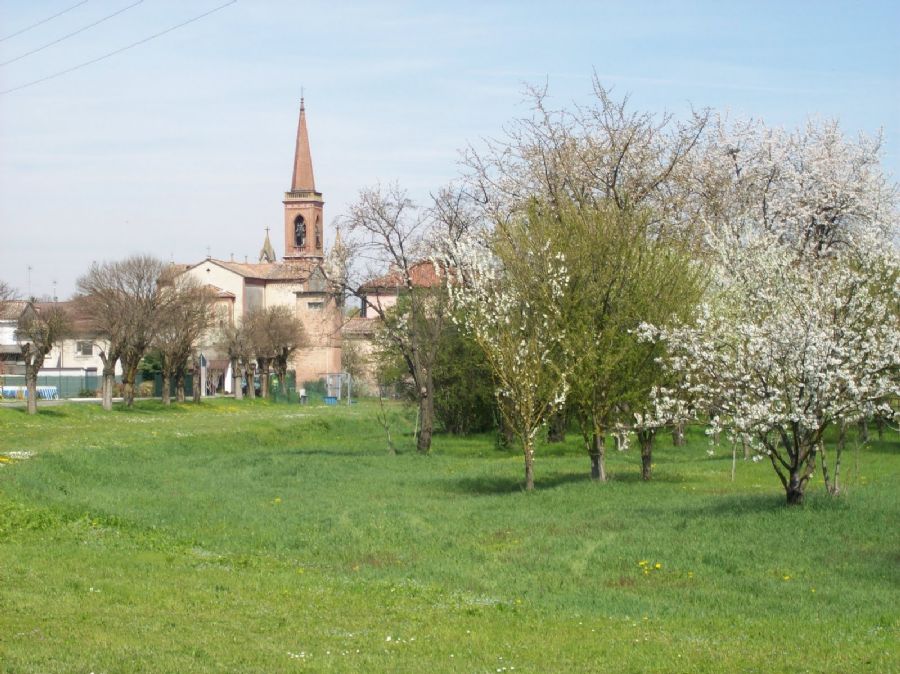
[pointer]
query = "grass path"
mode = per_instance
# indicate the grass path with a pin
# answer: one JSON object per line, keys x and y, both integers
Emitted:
{"x": 251, "y": 537}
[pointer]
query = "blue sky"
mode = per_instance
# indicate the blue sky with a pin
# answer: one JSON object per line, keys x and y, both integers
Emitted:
{"x": 186, "y": 141}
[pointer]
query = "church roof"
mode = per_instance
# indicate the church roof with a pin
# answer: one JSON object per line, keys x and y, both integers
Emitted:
{"x": 267, "y": 271}
{"x": 303, "y": 170}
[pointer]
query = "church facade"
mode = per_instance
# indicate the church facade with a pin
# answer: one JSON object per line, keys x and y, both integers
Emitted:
{"x": 297, "y": 280}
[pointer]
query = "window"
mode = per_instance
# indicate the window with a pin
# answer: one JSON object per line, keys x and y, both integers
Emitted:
{"x": 299, "y": 231}
{"x": 318, "y": 234}
{"x": 315, "y": 306}
{"x": 84, "y": 348}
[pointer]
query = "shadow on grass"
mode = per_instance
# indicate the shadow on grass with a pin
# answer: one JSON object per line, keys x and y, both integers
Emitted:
{"x": 338, "y": 452}
{"x": 739, "y": 505}
{"x": 635, "y": 477}
{"x": 156, "y": 407}
{"x": 887, "y": 446}
{"x": 51, "y": 412}
{"x": 492, "y": 486}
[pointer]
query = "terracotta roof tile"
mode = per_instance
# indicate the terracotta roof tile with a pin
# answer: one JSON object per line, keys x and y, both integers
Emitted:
{"x": 422, "y": 274}
{"x": 359, "y": 327}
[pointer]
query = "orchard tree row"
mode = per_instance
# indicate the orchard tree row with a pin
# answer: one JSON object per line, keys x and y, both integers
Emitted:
{"x": 635, "y": 272}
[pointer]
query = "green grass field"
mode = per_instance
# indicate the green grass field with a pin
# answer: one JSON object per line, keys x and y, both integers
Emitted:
{"x": 254, "y": 537}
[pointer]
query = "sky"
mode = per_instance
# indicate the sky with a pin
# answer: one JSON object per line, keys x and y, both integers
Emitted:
{"x": 182, "y": 146}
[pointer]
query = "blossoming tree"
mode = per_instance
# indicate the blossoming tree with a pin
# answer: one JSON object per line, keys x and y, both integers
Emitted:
{"x": 802, "y": 329}
{"x": 509, "y": 297}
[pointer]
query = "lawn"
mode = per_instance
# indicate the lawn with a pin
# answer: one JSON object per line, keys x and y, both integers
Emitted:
{"x": 257, "y": 537}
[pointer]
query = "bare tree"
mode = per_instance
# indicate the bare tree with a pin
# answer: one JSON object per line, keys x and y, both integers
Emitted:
{"x": 121, "y": 299}
{"x": 392, "y": 241}
{"x": 39, "y": 328}
{"x": 600, "y": 153}
{"x": 7, "y": 293}
{"x": 235, "y": 342}
{"x": 185, "y": 314}
{"x": 275, "y": 333}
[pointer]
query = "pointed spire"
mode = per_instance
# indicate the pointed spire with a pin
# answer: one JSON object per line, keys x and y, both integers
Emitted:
{"x": 267, "y": 254}
{"x": 303, "y": 169}
{"x": 336, "y": 261}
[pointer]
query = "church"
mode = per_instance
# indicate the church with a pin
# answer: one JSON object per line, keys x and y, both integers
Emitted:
{"x": 297, "y": 280}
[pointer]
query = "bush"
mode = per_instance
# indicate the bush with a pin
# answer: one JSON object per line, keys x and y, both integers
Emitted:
{"x": 463, "y": 388}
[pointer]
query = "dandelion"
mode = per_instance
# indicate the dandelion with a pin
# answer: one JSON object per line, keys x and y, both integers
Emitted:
{"x": 643, "y": 562}
{"x": 787, "y": 577}
{"x": 657, "y": 566}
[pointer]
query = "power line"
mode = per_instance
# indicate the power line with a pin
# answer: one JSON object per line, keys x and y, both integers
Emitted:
{"x": 118, "y": 51}
{"x": 40, "y": 23}
{"x": 72, "y": 34}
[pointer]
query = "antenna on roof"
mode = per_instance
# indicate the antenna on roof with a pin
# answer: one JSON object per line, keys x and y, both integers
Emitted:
{"x": 55, "y": 299}
{"x": 231, "y": 256}
{"x": 208, "y": 253}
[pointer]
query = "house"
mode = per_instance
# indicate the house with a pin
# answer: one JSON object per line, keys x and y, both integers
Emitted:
{"x": 73, "y": 366}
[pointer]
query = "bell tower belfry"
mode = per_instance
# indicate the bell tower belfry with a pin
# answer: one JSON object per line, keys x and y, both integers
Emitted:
{"x": 303, "y": 221}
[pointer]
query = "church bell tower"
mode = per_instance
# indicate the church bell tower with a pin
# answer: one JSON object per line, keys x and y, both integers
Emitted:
{"x": 303, "y": 235}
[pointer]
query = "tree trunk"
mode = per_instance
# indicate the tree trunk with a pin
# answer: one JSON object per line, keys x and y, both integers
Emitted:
{"x": 598, "y": 456}
{"x": 195, "y": 381}
{"x": 107, "y": 381}
{"x": 249, "y": 375}
{"x": 179, "y": 384}
{"x": 31, "y": 372}
{"x": 426, "y": 420}
{"x": 864, "y": 431}
{"x": 263, "y": 370}
{"x": 128, "y": 376}
{"x": 166, "y": 383}
{"x": 678, "y": 435}
{"x": 106, "y": 387}
{"x": 556, "y": 426}
{"x": 833, "y": 486}
{"x": 529, "y": 465}
{"x": 236, "y": 381}
{"x": 879, "y": 424}
{"x": 282, "y": 381}
{"x": 646, "y": 440}
{"x": 794, "y": 489}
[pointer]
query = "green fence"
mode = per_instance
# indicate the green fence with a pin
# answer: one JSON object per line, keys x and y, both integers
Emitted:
{"x": 68, "y": 386}
{"x": 275, "y": 388}
{"x": 157, "y": 385}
